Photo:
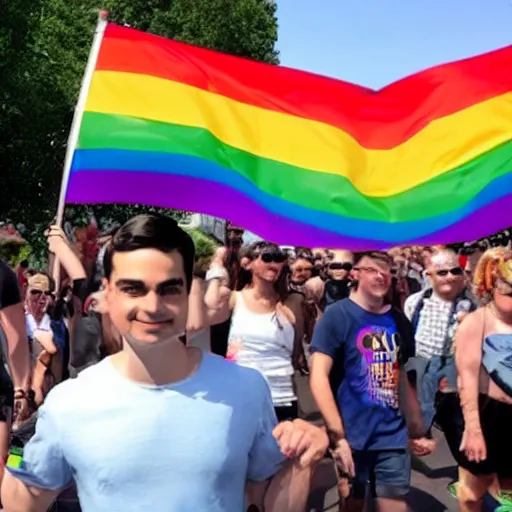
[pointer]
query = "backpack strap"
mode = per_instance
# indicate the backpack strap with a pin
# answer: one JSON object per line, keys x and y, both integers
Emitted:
{"x": 419, "y": 306}
{"x": 406, "y": 331}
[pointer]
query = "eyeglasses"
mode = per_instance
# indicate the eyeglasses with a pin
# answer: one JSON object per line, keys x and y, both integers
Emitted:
{"x": 272, "y": 256}
{"x": 374, "y": 271}
{"x": 455, "y": 271}
{"x": 336, "y": 265}
{"x": 38, "y": 293}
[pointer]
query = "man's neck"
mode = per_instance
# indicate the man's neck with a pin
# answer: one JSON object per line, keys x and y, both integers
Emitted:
{"x": 370, "y": 304}
{"x": 447, "y": 298}
{"x": 158, "y": 364}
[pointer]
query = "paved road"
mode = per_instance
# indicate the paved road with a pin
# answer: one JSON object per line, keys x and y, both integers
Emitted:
{"x": 431, "y": 475}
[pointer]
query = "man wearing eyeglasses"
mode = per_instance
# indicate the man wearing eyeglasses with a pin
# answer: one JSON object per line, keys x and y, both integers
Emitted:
{"x": 358, "y": 381}
{"x": 435, "y": 315}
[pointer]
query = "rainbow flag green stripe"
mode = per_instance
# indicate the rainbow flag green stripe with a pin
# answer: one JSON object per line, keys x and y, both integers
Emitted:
{"x": 452, "y": 190}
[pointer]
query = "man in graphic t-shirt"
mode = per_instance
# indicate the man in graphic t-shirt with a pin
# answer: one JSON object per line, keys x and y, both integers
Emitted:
{"x": 359, "y": 350}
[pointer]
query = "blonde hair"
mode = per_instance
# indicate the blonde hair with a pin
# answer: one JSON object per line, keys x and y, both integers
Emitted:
{"x": 487, "y": 272}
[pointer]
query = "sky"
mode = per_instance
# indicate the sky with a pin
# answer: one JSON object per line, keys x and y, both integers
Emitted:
{"x": 376, "y": 42}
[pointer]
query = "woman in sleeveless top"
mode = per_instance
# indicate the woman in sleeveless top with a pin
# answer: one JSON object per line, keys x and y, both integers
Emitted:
{"x": 266, "y": 323}
{"x": 481, "y": 441}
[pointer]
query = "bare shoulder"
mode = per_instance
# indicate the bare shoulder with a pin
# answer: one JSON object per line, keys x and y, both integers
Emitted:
{"x": 471, "y": 322}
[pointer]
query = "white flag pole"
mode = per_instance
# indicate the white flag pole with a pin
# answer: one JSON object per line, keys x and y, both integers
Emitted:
{"x": 75, "y": 128}
{"x": 79, "y": 111}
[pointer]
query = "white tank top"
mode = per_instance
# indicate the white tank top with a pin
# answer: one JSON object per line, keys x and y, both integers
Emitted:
{"x": 264, "y": 341}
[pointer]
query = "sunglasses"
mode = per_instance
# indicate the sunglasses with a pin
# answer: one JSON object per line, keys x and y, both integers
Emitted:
{"x": 335, "y": 265}
{"x": 38, "y": 293}
{"x": 455, "y": 271}
{"x": 272, "y": 256}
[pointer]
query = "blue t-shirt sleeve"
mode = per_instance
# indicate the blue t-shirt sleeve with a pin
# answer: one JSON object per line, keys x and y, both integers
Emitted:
{"x": 326, "y": 337}
{"x": 265, "y": 457}
{"x": 43, "y": 464}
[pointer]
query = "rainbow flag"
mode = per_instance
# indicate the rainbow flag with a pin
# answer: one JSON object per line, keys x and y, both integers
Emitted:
{"x": 298, "y": 158}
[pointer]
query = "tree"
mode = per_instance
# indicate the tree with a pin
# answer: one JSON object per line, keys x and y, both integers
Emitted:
{"x": 43, "y": 50}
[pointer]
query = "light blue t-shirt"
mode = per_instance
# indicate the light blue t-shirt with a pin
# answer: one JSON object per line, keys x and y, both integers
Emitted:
{"x": 186, "y": 447}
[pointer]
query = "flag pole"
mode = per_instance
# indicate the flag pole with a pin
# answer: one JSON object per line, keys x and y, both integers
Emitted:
{"x": 79, "y": 111}
{"x": 75, "y": 125}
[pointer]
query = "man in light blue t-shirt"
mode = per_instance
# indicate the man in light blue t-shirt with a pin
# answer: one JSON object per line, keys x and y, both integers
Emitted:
{"x": 160, "y": 426}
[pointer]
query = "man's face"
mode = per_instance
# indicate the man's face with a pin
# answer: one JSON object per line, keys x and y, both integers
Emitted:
{"x": 147, "y": 296}
{"x": 373, "y": 277}
{"x": 447, "y": 276}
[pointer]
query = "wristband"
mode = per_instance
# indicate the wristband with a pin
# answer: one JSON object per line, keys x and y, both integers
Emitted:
{"x": 216, "y": 273}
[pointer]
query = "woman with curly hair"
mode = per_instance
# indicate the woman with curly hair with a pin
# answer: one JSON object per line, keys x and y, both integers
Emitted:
{"x": 480, "y": 434}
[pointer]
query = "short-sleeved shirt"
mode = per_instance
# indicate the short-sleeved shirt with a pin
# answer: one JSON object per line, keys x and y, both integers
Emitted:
{"x": 188, "y": 446}
{"x": 368, "y": 349}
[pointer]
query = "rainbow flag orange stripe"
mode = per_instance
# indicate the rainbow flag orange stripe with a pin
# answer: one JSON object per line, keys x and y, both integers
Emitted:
{"x": 295, "y": 157}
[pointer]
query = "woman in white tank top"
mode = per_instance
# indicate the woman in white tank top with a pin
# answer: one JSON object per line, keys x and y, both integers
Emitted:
{"x": 266, "y": 323}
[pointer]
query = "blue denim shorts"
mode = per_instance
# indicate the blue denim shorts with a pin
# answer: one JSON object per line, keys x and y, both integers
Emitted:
{"x": 387, "y": 473}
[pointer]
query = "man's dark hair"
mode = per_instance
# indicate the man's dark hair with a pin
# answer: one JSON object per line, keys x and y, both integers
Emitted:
{"x": 374, "y": 255}
{"x": 152, "y": 231}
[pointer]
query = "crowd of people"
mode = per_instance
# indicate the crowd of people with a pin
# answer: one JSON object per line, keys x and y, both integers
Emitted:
{"x": 114, "y": 369}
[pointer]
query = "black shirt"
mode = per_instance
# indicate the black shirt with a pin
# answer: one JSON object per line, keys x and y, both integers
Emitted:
{"x": 9, "y": 288}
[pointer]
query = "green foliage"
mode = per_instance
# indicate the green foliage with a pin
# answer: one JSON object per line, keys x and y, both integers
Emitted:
{"x": 205, "y": 245}
{"x": 14, "y": 252}
{"x": 43, "y": 50}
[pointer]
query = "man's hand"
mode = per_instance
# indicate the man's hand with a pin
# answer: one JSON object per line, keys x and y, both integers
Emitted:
{"x": 301, "y": 440}
{"x": 422, "y": 446}
{"x": 342, "y": 454}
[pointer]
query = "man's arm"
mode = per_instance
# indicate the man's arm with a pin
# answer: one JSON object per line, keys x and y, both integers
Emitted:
{"x": 282, "y": 459}
{"x": 44, "y": 471}
{"x": 12, "y": 321}
{"x": 321, "y": 366}
{"x": 18, "y": 497}
{"x": 325, "y": 345}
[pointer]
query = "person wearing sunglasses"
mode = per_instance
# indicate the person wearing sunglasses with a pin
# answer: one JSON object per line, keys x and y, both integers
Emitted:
{"x": 435, "y": 315}
{"x": 266, "y": 321}
{"x": 336, "y": 285}
{"x": 477, "y": 420}
{"x": 46, "y": 359}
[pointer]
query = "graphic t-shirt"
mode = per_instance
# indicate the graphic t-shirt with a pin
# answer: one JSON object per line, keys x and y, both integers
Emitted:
{"x": 366, "y": 349}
